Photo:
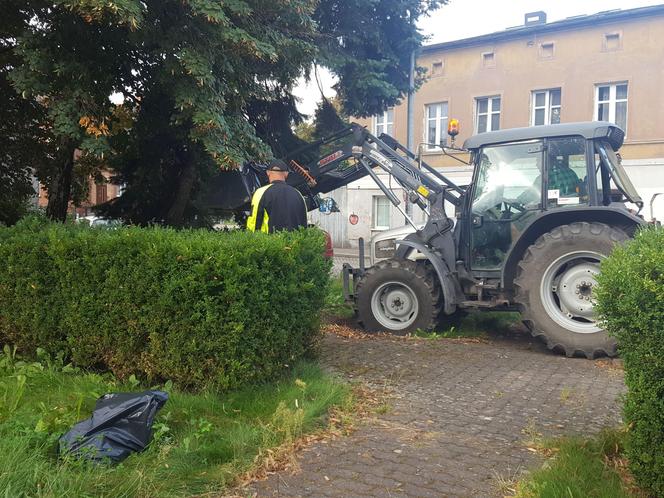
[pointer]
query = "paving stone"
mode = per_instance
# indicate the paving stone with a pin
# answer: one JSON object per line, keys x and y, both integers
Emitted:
{"x": 458, "y": 417}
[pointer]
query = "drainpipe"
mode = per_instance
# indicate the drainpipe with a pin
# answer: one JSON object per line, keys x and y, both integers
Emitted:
{"x": 410, "y": 133}
{"x": 410, "y": 139}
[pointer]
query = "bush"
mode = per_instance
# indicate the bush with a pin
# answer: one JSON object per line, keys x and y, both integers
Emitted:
{"x": 195, "y": 307}
{"x": 631, "y": 304}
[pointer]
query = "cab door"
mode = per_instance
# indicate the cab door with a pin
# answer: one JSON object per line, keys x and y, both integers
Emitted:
{"x": 507, "y": 194}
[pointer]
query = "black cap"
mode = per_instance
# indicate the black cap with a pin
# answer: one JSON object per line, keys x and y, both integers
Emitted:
{"x": 277, "y": 165}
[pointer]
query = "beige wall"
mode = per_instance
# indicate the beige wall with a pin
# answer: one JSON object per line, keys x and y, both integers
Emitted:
{"x": 578, "y": 64}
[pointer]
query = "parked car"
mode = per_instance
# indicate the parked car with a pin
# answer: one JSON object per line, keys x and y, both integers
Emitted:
{"x": 98, "y": 221}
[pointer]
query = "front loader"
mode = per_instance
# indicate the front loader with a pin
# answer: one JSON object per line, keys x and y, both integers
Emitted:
{"x": 546, "y": 204}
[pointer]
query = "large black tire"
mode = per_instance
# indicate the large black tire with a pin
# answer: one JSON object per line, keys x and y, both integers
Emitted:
{"x": 389, "y": 278}
{"x": 568, "y": 250}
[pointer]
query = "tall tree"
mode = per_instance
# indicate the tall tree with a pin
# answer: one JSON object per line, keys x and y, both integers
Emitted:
{"x": 23, "y": 139}
{"x": 367, "y": 44}
{"x": 69, "y": 64}
{"x": 206, "y": 66}
{"x": 207, "y": 84}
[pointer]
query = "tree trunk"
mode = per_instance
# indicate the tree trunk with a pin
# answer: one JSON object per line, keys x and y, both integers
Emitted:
{"x": 59, "y": 190}
{"x": 175, "y": 216}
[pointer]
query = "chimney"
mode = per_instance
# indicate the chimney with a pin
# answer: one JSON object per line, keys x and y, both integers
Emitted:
{"x": 533, "y": 18}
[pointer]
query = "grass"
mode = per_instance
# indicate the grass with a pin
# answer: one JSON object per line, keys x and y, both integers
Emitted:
{"x": 202, "y": 442}
{"x": 476, "y": 324}
{"x": 579, "y": 468}
{"x": 335, "y": 305}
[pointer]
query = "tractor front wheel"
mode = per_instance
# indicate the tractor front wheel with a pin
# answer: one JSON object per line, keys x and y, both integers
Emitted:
{"x": 398, "y": 296}
{"x": 555, "y": 282}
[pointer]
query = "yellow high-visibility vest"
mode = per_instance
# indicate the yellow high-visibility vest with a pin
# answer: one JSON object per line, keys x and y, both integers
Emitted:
{"x": 255, "y": 201}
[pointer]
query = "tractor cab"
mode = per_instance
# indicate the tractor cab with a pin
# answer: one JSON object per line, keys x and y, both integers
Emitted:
{"x": 524, "y": 174}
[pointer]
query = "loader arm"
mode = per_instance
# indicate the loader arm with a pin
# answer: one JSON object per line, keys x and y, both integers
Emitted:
{"x": 336, "y": 161}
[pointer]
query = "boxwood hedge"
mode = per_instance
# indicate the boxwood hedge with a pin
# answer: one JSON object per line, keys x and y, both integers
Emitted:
{"x": 631, "y": 304}
{"x": 195, "y": 307}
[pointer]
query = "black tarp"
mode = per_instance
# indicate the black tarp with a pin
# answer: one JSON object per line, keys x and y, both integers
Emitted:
{"x": 120, "y": 425}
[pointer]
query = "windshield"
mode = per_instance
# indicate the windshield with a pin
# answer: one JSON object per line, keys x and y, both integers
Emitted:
{"x": 622, "y": 181}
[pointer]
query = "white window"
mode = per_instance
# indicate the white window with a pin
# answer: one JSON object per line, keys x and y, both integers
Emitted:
{"x": 384, "y": 123}
{"x": 436, "y": 126}
{"x": 546, "y": 107}
{"x": 611, "y": 103}
{"x": 488, "y": 114}
{"x": 381, "y": 212}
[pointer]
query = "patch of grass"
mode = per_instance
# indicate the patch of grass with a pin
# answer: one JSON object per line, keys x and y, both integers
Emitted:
{"x": 491, "y": 321}
{"x": 335, "y": 305}
{"x": 202, "y": 442}
{"x": 579, "y": 468}
{"x": 475, "y": 324}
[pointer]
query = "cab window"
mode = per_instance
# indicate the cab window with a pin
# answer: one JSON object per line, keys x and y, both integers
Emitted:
{"x": 567, "y": 174}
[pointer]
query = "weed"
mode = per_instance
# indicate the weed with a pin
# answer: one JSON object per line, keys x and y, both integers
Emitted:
{"x": 383, "y": 408}
{"x": 579, "y": 468}
{"x": 335, "y": 304}
{"x": 565, "y": 394}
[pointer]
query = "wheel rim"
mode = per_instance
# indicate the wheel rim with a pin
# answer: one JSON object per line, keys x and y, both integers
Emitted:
{"x": 394, "y": 305}
{"x": 567, "y": 288}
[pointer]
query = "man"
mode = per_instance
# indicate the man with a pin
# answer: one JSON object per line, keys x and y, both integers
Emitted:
{"x": 563, "y": 178}
{"x": 277, "y": 206}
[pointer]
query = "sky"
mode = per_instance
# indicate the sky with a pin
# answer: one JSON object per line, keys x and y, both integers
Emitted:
{"x": 459, "y": 19}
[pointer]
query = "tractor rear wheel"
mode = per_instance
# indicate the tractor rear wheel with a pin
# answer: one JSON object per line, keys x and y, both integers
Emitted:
{"x": 555, "y": 281}
{"x": 398, "y": 296}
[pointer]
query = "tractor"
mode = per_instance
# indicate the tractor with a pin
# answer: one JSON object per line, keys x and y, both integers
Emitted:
{"x": 545, "y": 206}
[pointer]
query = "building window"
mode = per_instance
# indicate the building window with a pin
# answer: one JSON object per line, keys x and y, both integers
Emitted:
{"x": 381, "y": 212}
{"x": 488, "y": 59}
{"x": 546, "y": 50}
{"x": 436, "y": 129}
{"x": 488, "y": 114}
{"x": 611, "y": 103}
{"x": 102, "y": 193}
{"x": 612, "y": 42}
{"x": 437, "y": 68}
{"x": 384, "y": 123}
{"x": 546, "y": 107}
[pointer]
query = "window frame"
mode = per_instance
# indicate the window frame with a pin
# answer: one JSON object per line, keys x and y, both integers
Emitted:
{"x": 385, "y": 124}
{"x": 101, "y": 193}
{"x": 437, "y": 71}
{"x": 543, "y": 49}
{"x": 375, "y": 206}
{"x": 489, "y": 59}
{"x": 606, "y": 46}
{"x": 548, "y": 107}
{"x": 489, "y": 112}
{"x": 612, "y": 102}
{"x": 441, "y": 132}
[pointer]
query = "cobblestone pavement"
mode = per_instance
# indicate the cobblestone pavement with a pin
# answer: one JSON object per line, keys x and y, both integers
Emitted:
{"x": 459, "y": 420}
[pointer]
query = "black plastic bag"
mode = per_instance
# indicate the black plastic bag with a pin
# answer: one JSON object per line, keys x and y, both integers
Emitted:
{"x": 120, "y": 425}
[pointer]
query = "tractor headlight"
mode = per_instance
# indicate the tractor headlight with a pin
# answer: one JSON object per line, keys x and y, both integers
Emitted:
{"x": 385, "y": 249}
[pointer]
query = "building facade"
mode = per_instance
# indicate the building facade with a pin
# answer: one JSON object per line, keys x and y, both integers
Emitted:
{"x": 606, "y": 66}
{"x": 98, "y": 193}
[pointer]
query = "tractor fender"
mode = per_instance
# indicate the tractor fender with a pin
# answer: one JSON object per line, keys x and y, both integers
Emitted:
{"x": 548, "y": 220}
{"x": 445, "y": 277}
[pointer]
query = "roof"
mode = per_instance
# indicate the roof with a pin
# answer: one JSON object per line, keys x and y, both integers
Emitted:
{"x": 586, "y": 129}
{"x": 564, "y": 24}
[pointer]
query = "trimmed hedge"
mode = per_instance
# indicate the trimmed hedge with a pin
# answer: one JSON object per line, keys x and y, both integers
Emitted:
{"x": 631, "y": 304}
{"x": 196, "y": 307}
